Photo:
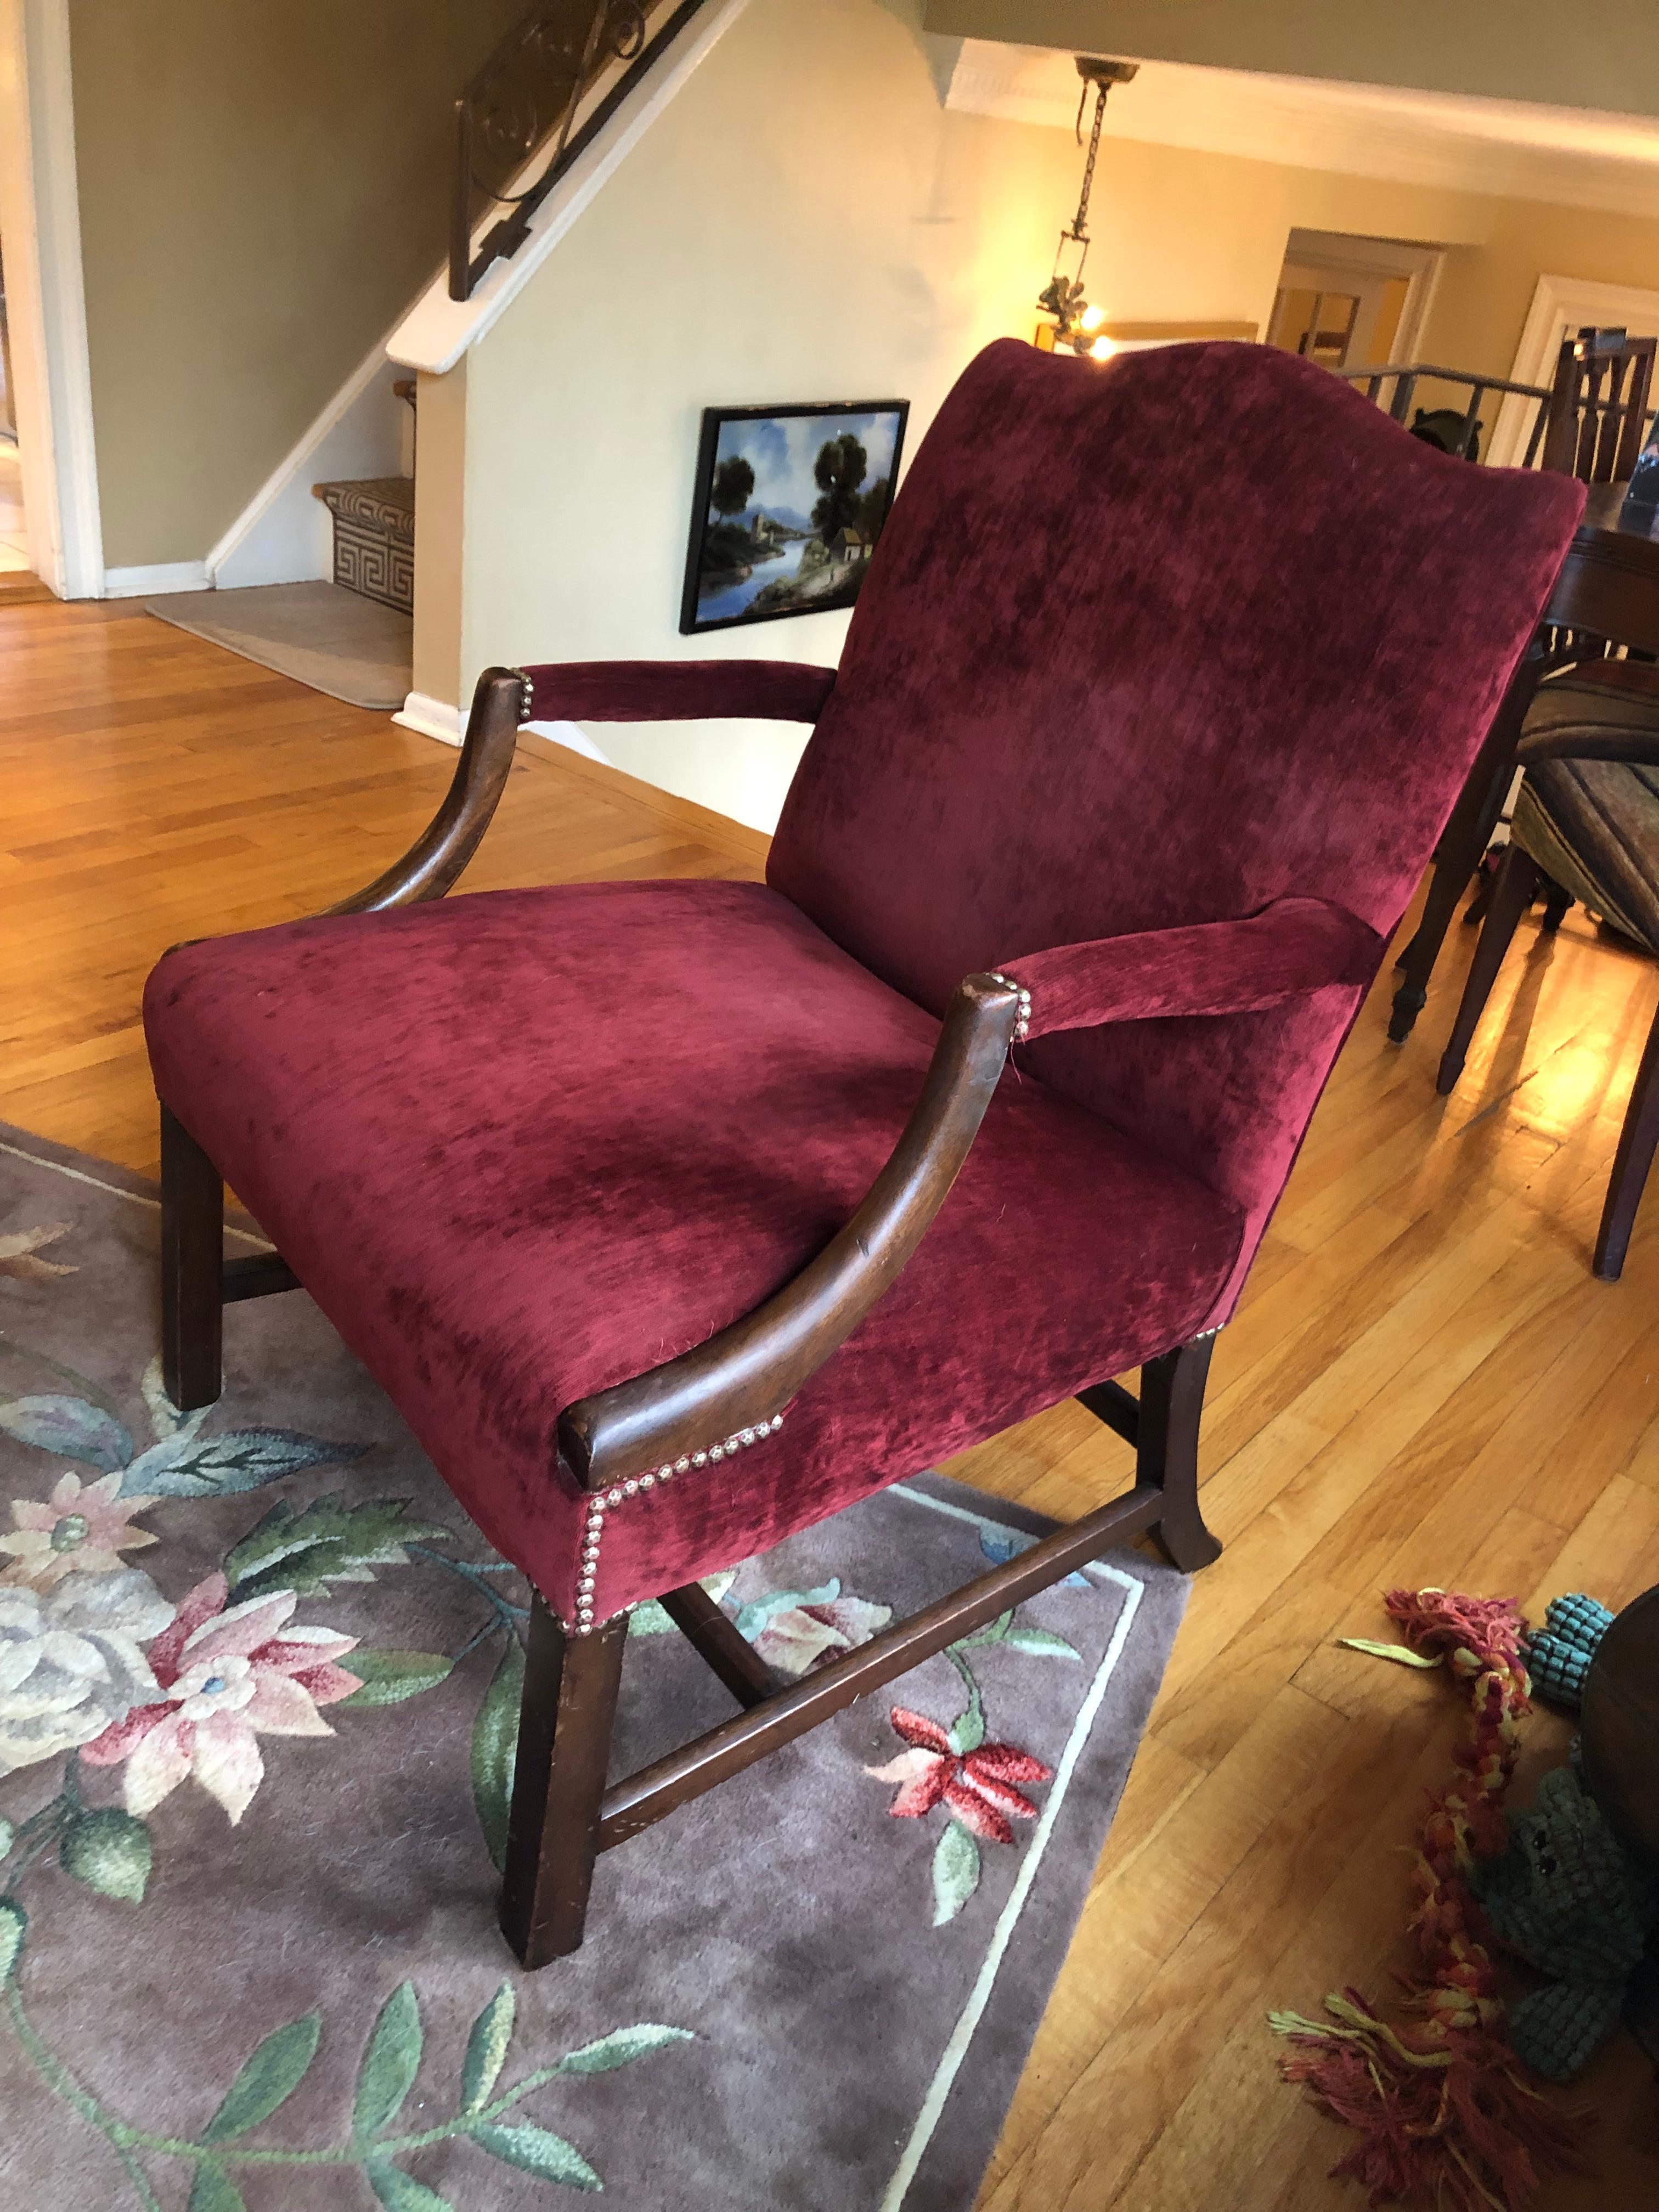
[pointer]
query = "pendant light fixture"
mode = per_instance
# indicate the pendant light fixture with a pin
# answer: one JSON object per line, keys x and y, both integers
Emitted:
{"x": 1076, "y": 325}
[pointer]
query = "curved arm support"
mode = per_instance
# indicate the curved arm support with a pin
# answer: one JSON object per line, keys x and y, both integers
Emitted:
{"x": 750, "y": 1372}
{"x": 443, "y": 849}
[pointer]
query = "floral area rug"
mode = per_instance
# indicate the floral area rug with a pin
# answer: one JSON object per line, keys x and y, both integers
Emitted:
{"x": 258, "y": 1687}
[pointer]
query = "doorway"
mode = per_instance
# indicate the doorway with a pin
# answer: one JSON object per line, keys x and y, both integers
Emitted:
{"x": 13, "y": 526}
{"x": 1351, "y": 302}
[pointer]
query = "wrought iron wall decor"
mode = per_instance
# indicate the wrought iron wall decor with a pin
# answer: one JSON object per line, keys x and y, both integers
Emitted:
{"x": 531, "y": 91}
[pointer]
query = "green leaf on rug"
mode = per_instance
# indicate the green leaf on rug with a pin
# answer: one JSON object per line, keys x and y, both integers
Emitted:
{"x": 327, "y": 1540}
{"x": 219, "y": 1467}
{"x": 165, "y": 1417}
{"x": 622, "y": 2047}
{"x": 486, "y": 2049}
{"x": 956, "y": 1872}
{"x": 756, "y": 1615}
{"x": 110, "y": 1852}
{"x": 389, "y": 1677}
{"x": 213, "y": 2190}
{"x": 967, "y": 1731}
{"x": 8, "y": 1836}
{"x": 495, "y": 1746}
{"x": 390, "y": 2064}
{"x": 13, "y": 1922}
{"x": 400, "y": 2192}
{"x": 1041, "y": 1645}
{"x": 535, "y": 2151}
{"x": 272, "y": 2074}
{"x": 994, "y": 1632}
{"x": 69, "y": 1427}
{"x": 650, "y": 1618}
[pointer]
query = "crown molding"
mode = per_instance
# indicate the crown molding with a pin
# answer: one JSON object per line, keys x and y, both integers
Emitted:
{"x": 1509, "y": 149}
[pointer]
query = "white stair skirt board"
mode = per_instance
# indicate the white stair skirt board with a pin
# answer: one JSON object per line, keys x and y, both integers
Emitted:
{"x": 157, "y": 577}
{"x": 436, "y": 718}
{"x": 283, "y": 535}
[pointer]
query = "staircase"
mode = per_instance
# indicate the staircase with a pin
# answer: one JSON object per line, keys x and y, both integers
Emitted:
{"x": 373, "y": 538}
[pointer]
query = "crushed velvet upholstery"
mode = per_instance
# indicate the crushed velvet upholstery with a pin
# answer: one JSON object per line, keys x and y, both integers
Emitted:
{"x": 524, "y": 1145}
{"x": 677, "y": 691}
{"x": 1116, "y": 670}
{"x": 1293, "y": 945}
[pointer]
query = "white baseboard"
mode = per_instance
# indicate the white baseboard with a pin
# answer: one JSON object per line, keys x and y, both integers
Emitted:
{"x": 159, "y": 578}
{"x": 435, "y": 718}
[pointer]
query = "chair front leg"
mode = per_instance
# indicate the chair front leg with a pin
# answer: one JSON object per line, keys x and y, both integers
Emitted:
{"x": 192, "y": 1269}
{"x": 565, "y": 1721}
{"x": 1512, "y": 894}
{"x": 1638, "y": 1141}
{"x": 1166, "y": 1450}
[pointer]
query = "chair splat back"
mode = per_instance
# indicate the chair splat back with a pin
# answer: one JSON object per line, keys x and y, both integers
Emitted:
{"x": 1153, "y": 643}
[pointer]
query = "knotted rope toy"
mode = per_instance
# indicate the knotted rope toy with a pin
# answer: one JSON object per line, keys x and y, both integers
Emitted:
{"x": 1444, "y": 2110}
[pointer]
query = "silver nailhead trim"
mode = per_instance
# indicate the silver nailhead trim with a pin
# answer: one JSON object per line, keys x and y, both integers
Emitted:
{"x": 1022, "y": 1022}
{"x": 527, "y": 694}
{"x": 594, "y": 1528}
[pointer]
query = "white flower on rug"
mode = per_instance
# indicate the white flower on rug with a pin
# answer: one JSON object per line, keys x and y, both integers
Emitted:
{"x": 82, "y": 1529}
{"x": 795, "y": 1631}
{"x": 227, "y": 1676}
{"x": 69, "y": 1662}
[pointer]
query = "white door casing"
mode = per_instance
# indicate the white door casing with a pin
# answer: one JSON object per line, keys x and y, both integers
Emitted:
{"x": 1561, "y": 305}
{"x": 40, "y": 227}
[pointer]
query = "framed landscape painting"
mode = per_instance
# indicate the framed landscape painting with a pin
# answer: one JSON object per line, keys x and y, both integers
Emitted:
{"x": 789, "y": 503}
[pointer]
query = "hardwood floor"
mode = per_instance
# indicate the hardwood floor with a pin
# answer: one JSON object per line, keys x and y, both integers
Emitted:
{"x": 1424, "y": 1383}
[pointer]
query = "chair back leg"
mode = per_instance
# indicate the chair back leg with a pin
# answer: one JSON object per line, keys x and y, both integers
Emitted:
{"x": 192, "y": 1263}
{"x": 1637, "y": 1142}
{"x": 1517, "y": 879}
{"x": 565, "y": 1721}
{"x": 1166, "y": 1450}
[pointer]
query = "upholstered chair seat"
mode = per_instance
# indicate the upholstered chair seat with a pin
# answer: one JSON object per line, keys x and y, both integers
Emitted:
{"x": 675, "y": 1216}
{"x": 522, "y": 1145}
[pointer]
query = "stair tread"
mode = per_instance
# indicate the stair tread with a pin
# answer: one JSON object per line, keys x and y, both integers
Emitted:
{"x": 386, "y": 503}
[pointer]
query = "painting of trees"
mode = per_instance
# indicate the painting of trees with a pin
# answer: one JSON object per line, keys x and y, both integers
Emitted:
{"x": 838, "y": 471}
{"x": 734, "y": 482}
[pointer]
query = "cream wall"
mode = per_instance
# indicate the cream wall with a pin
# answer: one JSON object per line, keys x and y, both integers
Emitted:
{"x": 263, "y": 187}
{"x": 806, "y": 222}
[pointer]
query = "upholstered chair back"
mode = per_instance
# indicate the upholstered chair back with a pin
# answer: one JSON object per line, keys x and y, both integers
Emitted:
{"x": 1153, "y": 642}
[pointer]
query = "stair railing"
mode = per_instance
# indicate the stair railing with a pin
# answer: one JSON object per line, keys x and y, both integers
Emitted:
{"x": 529, "y": 93}
{"x": 1406, "y": 375}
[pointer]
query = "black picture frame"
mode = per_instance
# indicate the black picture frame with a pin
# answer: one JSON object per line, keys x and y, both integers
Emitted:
{"x": 849, "y": 551}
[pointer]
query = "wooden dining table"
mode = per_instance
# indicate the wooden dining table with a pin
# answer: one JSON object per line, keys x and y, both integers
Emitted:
{"x": 1606, "y": 595}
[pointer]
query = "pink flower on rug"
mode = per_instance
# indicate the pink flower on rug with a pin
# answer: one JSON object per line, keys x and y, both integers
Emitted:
{"x": 81, "y": 1529}
{"x": 229, "y": 1676}
{"x": 976, "y": 1785}
{"x": 19, "y": 1252}
{"x": 802, "y": 1636}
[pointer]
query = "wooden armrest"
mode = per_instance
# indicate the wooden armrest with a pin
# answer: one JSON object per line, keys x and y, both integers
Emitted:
{"x": 499, "y": 703}
{"x": 576, "y": 690}
{"x": 742, "y": 1378}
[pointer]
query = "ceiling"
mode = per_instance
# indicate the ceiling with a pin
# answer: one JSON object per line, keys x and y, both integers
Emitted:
{"x": 1580, "y": 157}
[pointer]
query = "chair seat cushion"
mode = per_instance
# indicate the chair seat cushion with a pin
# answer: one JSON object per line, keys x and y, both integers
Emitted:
{"x": 1594, "y": 824}
{"x": 522, "y": 1146}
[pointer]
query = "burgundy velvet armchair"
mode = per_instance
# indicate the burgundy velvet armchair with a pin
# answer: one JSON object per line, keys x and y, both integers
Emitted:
{"x": 676, "y": 1216}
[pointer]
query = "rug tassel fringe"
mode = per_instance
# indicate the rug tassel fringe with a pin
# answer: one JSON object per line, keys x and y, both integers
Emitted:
{"x": 1444, "y": 2111}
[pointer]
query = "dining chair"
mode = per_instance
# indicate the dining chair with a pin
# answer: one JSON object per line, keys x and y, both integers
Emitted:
{"x": 1586, "y": 821}
{"x": 1595, "y": 418}
{"x": 676, "y": 1216}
